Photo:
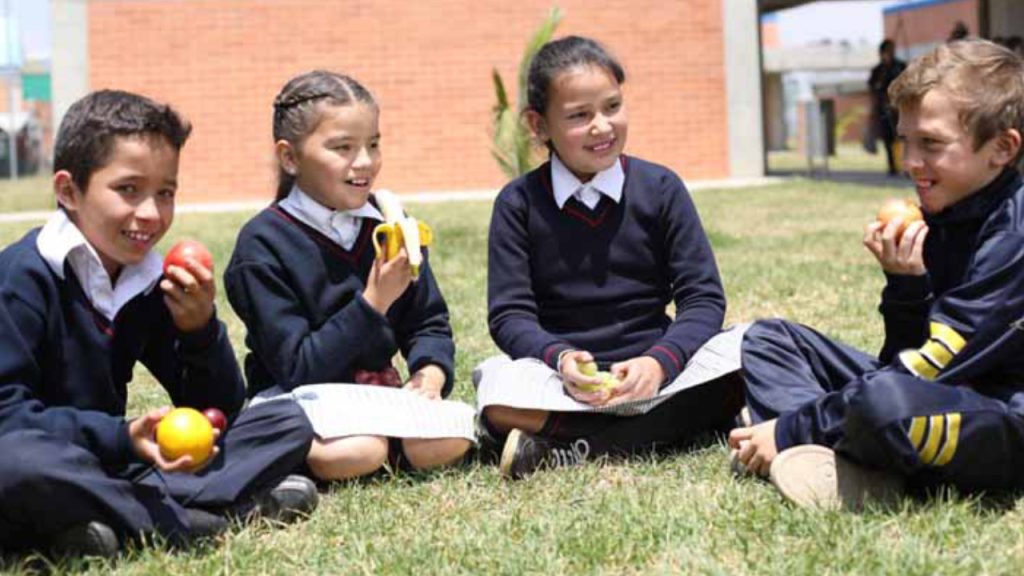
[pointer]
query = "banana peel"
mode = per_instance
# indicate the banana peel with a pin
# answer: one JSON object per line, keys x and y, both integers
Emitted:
{"x": 399, "y": 230}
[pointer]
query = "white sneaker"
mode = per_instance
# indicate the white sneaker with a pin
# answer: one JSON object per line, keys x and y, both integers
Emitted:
{"x": 813, "y": 476}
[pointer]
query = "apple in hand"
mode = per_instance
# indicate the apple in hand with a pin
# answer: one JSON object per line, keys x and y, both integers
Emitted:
{"x": 217, "y": 419}
{"x": 182, "y": 251}
{"x": 906, "y": 210}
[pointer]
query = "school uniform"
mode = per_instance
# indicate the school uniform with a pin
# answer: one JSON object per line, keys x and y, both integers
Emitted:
{"x": 296, "y": 280}
{"x": 592, "y": 267}
{"x": 69, "y": 339}
{"x": 944, "y": 400}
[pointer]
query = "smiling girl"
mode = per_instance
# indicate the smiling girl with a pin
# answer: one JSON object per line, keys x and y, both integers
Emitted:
{"x": 585, "y": 253}
{"x": 319, "y": 307}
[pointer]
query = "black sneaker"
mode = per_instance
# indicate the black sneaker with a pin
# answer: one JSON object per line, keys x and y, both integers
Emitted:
{"x": 295, "y": 497}
{"x": 92, "y": 539}
{"x": 203, "y": 525}
{"x": 525, "y": 453}
{"x": 487, "y": 449}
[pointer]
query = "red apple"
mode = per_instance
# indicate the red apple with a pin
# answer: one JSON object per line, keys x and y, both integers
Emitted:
{"x": 365, "y": 377}
{"x": 217, "y": 419}
{"x": 390, "y": 377}
{"x": 186, "y": 249}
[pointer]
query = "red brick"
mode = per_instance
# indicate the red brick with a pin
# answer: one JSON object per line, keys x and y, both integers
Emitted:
{"x": 221, "y": 62}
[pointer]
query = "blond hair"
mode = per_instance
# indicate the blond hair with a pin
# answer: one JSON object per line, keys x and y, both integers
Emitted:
{"x": 984, "y": 80}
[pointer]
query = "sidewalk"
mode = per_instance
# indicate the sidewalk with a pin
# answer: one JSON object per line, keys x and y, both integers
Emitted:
{"x": 415, "y": 198}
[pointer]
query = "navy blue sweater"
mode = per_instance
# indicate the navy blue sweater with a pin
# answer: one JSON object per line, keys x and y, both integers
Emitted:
{"x": 300, "y": 296}
{"x": 64, "y": 369}
{"x": 600, "y": 280}
{"x": 966, "y": 313}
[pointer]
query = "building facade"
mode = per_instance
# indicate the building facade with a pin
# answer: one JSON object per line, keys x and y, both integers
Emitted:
{"x": 221, "y": 62}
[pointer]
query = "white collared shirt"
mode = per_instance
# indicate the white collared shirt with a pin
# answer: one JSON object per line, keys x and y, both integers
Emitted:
{"x": 60, "y": 240}
{"x": 340, "y": 226}
{"x": 565, "y": 184}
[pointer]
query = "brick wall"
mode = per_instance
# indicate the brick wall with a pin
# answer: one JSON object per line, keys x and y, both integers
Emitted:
{"x": 222, "y": 61}
{"x": 929, "y": 23}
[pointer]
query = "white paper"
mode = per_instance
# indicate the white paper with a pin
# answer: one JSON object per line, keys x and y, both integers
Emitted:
{"x": 338, "y": 410}
{"x": 529, "y": 383}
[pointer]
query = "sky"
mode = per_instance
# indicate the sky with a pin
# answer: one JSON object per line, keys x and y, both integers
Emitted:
{"x": 32, "y": 18}
{"x": 856, "y": 22}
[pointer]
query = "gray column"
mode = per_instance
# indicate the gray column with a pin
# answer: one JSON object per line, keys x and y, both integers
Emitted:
{"x": 69, "y": 69}
{"x": 1006, "y": 17}
{"x": 741, "y": 36}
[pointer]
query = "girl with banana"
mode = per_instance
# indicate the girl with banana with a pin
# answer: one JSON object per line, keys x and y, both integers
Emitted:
{"x": 326, "y": 311}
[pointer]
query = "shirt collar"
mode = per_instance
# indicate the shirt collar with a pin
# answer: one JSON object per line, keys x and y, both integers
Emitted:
{"x": 320, "y": 217}
{"x": 61, "y": 241}
{"x": 609, "y": 181}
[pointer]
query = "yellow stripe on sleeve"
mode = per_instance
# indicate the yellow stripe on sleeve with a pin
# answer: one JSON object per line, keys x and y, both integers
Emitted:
{"x": 937, "y": 353}
{"x": 931, "y": 446}
{"x": 952, "y": 438}
{"x": 916, "y": 432}
{"x": 917, "y": 364}
{"x": 953, "y": 340}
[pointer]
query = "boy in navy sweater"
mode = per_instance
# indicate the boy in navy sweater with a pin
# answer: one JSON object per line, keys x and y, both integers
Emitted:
{"x": 81, "y": 301}
{"x": 943, "y": 403}
{"x": 585, "y": 253}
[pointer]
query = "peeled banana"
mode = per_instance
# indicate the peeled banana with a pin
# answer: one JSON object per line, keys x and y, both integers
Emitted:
{"x": 400, "y": 230}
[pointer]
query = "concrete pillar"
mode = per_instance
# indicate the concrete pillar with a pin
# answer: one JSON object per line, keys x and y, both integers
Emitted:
{"x": 775, "y": 112}
{"x": 69, "y": 67}
{"x": 741, "y": 34}
{"x": 1005, "y": 18}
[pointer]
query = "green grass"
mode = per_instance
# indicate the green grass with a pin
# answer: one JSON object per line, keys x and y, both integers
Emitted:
{"x": 790, "y": 250}
{"x": 26, "y": 194}
{"x": 848, "y": 157}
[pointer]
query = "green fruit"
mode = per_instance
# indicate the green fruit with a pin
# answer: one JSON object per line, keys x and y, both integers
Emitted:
{"x": 588, "y": 368}
{"x": 608, "y": 382}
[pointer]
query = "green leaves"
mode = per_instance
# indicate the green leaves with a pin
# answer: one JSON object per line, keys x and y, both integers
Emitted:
{"x": 512, "y": 145}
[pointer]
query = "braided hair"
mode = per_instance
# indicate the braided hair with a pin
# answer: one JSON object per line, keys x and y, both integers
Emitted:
{"x": 296, "y": 114}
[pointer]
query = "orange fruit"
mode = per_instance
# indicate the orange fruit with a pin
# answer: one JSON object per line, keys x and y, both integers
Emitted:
{"x": 907, "y": 210}
{"x": 185, "y": 432}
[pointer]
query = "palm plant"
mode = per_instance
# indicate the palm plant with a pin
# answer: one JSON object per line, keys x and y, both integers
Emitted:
{"x": 512, "y": 144}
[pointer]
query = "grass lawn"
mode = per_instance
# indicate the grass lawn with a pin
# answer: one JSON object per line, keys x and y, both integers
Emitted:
{"x": 848, "y": 157}
{"x": 27, "y": 193}
{"x": 789, "y": 250}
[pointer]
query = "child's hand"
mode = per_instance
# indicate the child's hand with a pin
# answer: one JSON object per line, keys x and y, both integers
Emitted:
{"x": 387, "y": 281}
{"x": 755, "y": 446}
{"x": 188, "y": 294}
{"x": 142, "y": 432}
{"x": 427, "y": 382}
{"x": 569, "y": 368}
{"x": 639, "y": 378}
{"x": 903, "y": 257}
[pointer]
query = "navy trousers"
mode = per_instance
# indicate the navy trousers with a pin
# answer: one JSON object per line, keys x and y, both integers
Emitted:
{"x": 932, "y": 432}
{"x": 710, "y": 407}
{"x": 48, "y": 485}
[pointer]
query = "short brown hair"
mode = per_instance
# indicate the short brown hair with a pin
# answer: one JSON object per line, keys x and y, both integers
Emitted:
{"x": 984, "y": 79}
{"x": 86, "y": 136}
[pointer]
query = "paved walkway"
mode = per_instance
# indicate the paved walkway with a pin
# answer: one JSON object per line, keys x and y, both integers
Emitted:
{"x": 417, "y": 198}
